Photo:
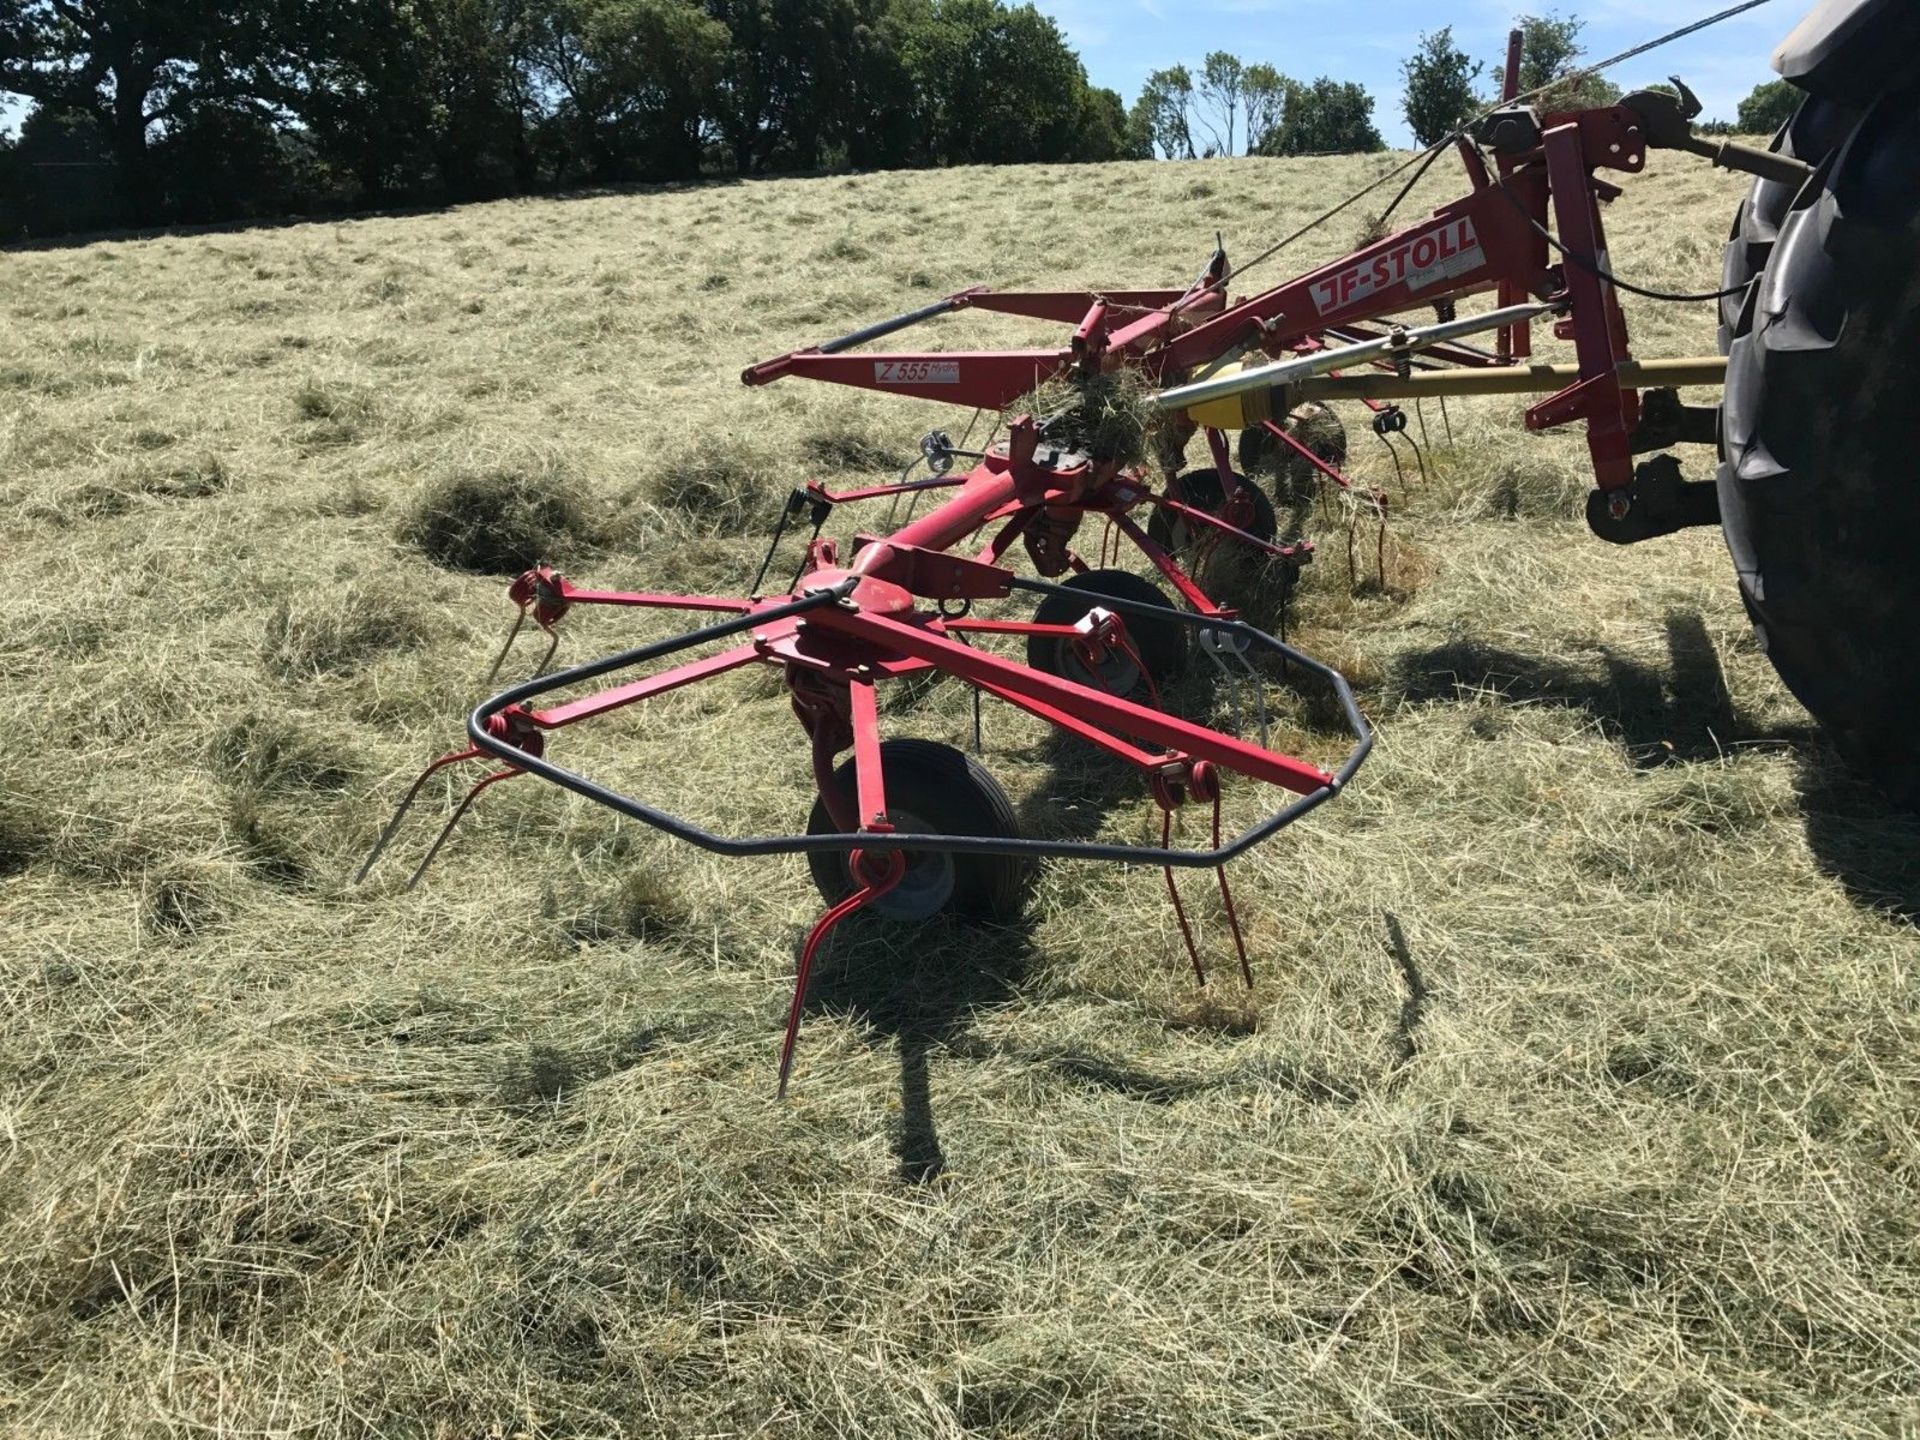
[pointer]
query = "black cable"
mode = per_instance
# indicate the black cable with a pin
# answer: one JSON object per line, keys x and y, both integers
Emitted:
{"x": 1346, "y": 204}
{"x": 1412, "y": 180}
{"x": 1637, "y": 51}
{"x": 1593, "y": 267}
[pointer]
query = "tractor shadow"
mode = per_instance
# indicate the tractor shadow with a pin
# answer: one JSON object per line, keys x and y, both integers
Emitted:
{"x": 920, "y": 986}
{"x": 1683, "y": 712}
{"x": 1859, "y": 837}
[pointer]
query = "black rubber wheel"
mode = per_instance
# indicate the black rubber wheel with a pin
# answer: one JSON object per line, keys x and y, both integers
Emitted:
{"x": 1202, "y": 490}
{"x": 1160, "y": 644}
{"x": 932, "y": 789}
{"x": 1820, "y": 490}
{"x": 1294, "y": 477}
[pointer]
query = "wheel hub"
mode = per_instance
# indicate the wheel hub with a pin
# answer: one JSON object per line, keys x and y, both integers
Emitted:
{"x": 927, "y": 885}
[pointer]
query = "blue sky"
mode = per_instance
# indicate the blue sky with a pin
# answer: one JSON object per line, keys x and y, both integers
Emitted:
{"x": 1121, "y": 41}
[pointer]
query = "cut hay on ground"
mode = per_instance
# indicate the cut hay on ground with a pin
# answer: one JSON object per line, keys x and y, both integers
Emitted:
{"x": 1577, "y": 1097}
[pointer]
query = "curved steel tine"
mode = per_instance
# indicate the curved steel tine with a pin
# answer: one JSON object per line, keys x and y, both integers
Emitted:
{"x": 816, "y": 937}
{"x": 406, "y": 804}
{"x": 454, "y": 819}
{"x": 519, "y": 624}
{"x": 1399, "y": 470}
{"x": 1226, "y": 900}
{"x": 1180, "y": 910}
{"x": 1446, "y": 419}
{"x": 1420, "y": 458}
{"x": 553, "y": 645}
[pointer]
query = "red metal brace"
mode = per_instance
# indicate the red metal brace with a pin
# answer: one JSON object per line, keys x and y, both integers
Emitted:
{"x": 1300, "y": 447}
{"x": 837, "y": 716}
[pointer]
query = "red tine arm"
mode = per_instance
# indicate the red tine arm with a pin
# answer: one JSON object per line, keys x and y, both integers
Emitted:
{"x": 661, "y": 684}
{"x": 870, "y": 782}
{"x": 718, "y": 603}
{"x": 1034, "y": 691}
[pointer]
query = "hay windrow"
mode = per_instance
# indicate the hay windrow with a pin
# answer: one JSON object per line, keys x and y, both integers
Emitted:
{"x": 503, "y": 519}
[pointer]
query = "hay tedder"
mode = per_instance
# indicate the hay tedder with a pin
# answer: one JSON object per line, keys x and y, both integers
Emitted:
{"x": 1816, "y": 489}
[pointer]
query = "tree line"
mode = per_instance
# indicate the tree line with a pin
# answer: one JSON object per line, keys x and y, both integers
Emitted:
{"x": 1446, "y": 87}
{"x": 183, "y": 111}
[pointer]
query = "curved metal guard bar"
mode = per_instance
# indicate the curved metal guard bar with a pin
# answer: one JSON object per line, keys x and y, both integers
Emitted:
{"x": 882, "y": 842}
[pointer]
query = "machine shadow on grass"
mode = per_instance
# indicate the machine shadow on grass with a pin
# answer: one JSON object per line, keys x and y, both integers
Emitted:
{"x": 919, "y": 985}
{"x": 1679, "y": 713}
{"x": 1686, "y": 714}
{"x": 1859, "y": 837}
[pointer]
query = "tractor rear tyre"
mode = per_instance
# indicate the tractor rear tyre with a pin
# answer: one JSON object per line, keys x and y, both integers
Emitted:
{"x": 1820, "y": 488}
{"x": 931, "y": 789}
{"x": 1814, "y": 132}
{"x": 1203, "y": 491}
{"x": 1160, "y": 644}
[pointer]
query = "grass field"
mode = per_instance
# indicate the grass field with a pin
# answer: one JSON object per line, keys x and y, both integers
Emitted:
{"x": 1577, "y": 1096}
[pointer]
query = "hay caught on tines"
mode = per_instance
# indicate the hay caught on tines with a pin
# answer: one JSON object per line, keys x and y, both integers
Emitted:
{"x": 1105, "y": 417}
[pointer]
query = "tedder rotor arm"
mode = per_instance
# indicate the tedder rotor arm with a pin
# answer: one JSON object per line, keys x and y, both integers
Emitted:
{"x": 832, "y": 605}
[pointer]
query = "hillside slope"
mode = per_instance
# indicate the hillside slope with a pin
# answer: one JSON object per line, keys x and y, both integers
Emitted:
{"x": 1577, "y": 1096}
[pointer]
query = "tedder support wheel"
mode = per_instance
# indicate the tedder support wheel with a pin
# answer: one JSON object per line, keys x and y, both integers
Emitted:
{"x": 1203, "y": 491}
{"x": 1315, "y": 426}
{"x": 932, "y": 789}
{"x": 1160, "y": 644}
{"x": 1820, "y": 489}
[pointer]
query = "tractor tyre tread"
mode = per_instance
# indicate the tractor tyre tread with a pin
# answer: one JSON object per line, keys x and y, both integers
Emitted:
{"x": 1819, "y": 503}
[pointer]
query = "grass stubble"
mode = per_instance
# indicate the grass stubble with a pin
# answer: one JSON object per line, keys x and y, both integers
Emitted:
{"x": 1576, "y": 1097}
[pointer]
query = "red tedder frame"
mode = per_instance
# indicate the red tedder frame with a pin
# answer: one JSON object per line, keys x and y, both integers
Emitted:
{"x": 1493, "y": 240}
{"x": 901, "y": 604}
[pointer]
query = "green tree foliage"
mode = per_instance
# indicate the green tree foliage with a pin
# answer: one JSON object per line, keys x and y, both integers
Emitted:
{"x": 170, "y": 110}
{"x": 62, "y": 175}
{"x": 409, "y": 102}
{"x": 1325, "y": 118}
{"x": 1223, "y": 80}
{"x": 638, "y": 80}
{"x": 1001, "y": 86}
{"x": 131, "y": 66}
{"x": 1265, "y": 97}
{"x": 1165, "y": 112}
{"x": 1441, "y": 91}
{"x": 1103, "y": 133}
{"x": 1550, "y": 55}
{"x": 1768, "y": 108}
